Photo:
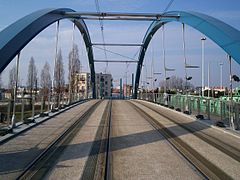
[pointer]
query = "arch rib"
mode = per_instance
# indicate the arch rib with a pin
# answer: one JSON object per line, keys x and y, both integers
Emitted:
{"x": 16, "y": 36}
{"x": 224, "y": 35}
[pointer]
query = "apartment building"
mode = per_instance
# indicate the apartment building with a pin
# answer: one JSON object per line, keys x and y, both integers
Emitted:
{"x": 103, "y": 85}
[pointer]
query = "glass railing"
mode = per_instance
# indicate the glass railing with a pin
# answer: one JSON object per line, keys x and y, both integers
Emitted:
{"x": 214, "y": 109}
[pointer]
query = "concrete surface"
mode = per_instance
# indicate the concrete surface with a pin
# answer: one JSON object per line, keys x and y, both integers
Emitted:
{"x": 18, "y": 152}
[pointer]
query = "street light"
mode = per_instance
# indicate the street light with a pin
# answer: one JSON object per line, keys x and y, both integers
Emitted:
{"x": 235, "y": 78}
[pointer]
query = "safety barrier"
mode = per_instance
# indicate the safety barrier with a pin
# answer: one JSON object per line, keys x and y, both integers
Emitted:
{"x": 215, "y": 109}
{"x": 28, "y": 108}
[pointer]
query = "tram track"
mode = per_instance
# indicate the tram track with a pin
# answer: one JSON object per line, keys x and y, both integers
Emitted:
{"x": 206, "y": 168}
{"x": 225, "y": 147}
{"x": 43, "y": 162}
{"x": 98, "y": 163}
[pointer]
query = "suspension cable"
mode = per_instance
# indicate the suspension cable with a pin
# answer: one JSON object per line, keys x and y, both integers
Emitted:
{"x": 71, "y": 65}
{"x": 102, "y": 32}
{"x": 184, "y": 52}
{"x": 55, "y": 59}
{"x": 115, "y": 53}
{"x": 184, "y": 49}
{"x": 168, "y": 6}
{"x": 164, "y": 60}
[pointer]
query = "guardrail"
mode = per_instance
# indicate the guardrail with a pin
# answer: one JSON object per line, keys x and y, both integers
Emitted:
{"x": 27, "y": 108}
{"x": 221, "y": 112}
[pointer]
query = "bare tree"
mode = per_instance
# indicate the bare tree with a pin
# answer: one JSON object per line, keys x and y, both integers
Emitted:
{"x": 45, "y": 81}
{"x": 32, "y": 75}
{"x": 59, "y": 74}
{"x": 12, "y": 80}
{"x": 46, "y": 77}
{"x": 73, "y": 67}
{"x": 175, "y": 84}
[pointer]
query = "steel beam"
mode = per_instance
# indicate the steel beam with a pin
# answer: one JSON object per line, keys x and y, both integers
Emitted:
{"x": 114, "y": 61}
{"x": 119, "y": 18}
{"x": 115, "y": 44}
{"x": 111, "y": 14}
{"x": 225, "y": 36}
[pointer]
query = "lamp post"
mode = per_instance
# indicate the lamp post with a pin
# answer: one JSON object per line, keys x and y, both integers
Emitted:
{"x": 202, "y": 40}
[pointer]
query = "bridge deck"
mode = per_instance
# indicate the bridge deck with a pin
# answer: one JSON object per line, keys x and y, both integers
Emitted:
{"x": 139, "y": 147}
{"x": 17, "y": 153}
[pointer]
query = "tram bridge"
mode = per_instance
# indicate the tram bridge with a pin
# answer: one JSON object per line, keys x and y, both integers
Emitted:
{"x": 147, "y": 137}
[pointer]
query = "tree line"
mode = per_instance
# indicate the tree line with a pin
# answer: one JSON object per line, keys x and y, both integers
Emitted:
{"x": 46, "y": 81}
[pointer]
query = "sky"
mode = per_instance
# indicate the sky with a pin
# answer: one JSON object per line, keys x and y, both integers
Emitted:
{"x": 42, "y": 47}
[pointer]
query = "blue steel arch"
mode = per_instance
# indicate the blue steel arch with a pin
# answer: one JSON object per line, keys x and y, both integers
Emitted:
{"x": 16, "y": 36}
{"x": 224, "y": 35}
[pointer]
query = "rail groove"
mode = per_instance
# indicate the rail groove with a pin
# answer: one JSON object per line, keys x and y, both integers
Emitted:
{"x": 41, "y": 164}
{"x": 205, "y": 167}
{"x": 216, "y": 142}
{"x": 97, "y": 165}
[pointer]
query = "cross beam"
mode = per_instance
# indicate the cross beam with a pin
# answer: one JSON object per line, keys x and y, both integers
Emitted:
{"x": 115, "y": 44}
{"x": 114, "y": 61}
{"x": 120, "y": 16}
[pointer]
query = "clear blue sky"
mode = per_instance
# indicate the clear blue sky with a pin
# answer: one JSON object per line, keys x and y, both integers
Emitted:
{"x": 42, "y": 47}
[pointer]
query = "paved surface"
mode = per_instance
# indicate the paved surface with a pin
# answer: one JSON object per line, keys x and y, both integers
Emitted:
{"x": 217, "y": 157}
{"x": 140, "y": 152}
{"x": 18, "y": 152}
{"x": 72, "y": 162}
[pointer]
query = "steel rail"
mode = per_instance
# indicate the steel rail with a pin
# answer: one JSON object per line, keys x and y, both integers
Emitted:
{"x": 95, "y": 167}
{"x": 206, "y": 168}
{"x": 107, "y": 174}
{"x": 35, "y": 166}
{"x": 216, "y": 142}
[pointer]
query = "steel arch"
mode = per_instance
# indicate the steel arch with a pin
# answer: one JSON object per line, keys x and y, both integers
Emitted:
{"x": 16, "y": 36}
{"x": 224, "y": 35}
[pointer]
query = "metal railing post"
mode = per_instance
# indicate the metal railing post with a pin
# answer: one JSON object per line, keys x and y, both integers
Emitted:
{"x": 8, "y": 112}
{"x": 221, "y": 110}
{"x": 198, "y": 105}
{"x": 49, "y": 97}
{"x": 237, "y": 122}
{"x": 22, "y": 113}
{"x": 208, "y": 108}
{"x": 33, "y": 106}
{"x": 42, "y": 99}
